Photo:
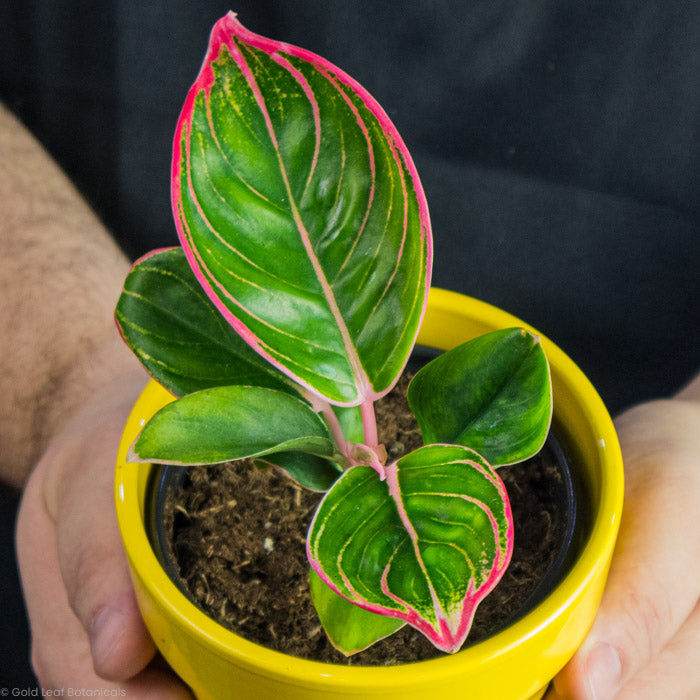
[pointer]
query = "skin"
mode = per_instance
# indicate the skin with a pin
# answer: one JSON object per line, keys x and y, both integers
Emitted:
{"x": 645, "y": 642}
{"x": 68, "y": 382}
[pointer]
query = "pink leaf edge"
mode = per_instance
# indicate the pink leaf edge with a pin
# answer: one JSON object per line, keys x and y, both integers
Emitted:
{"x": 452, "y": 633}
{"x": 223, "y": 32}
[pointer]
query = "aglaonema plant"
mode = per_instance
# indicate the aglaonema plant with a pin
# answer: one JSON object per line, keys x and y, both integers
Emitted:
{"x": 292, "y": 306}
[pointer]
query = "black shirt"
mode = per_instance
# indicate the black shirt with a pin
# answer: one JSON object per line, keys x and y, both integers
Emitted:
{"x": 558, "y": 143}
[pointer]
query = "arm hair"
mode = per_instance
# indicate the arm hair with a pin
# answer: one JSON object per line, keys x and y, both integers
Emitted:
{"x": 61, "y": 276}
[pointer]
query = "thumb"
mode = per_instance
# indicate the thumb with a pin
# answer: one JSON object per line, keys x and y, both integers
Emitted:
{"x": 654, "y": 578}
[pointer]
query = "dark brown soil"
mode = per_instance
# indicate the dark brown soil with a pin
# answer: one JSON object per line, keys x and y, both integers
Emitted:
{"x": 239, "y": 535}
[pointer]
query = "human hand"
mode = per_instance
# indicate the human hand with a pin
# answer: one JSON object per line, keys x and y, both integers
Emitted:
{"x": 86, "y": 629}
{"x": 645, "y": 641}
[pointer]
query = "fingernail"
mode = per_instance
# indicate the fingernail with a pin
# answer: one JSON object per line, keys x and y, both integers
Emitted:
{"x": 107, "y": 627}
{"x": 603, "y": 671}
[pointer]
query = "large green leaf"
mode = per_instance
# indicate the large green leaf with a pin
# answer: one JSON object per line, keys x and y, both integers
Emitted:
{"x": 492, "y": 394}
{"x": 179, "y": 336}
{"x": 423, "y": 546}
{"x": 349, "y": 627}
{"x": 231, "y": 422}
{"x": 300, "y": 210}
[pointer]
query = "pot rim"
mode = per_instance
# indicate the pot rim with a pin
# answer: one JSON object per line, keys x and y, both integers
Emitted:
{"x": 593, "y": 558}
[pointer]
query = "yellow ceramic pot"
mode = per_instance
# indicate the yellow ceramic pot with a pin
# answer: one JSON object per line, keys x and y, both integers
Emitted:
{"x": 516, "y": 663}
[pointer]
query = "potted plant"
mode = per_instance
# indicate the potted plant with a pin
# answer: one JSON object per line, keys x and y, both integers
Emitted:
{"x": 291, "y": 307}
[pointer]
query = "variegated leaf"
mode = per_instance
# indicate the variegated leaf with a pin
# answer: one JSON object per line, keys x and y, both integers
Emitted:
{"x": 231, "y": 422}
{"x": 178, "y": 335}
{"x": 424, "y": 546}
{"x": 301, "y": 214}
{"x": 349, "y": 628}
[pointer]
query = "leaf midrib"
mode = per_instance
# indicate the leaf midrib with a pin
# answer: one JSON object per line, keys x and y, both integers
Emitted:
{"x": 362, "y": 382}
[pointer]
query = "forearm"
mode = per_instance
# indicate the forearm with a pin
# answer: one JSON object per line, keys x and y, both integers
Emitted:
{"x": 61, "y": 277}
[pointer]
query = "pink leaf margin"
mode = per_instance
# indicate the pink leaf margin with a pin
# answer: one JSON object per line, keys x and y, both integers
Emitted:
{"x": 452, "y": 633}
{"x": 140, "y": 260}
{"x": 223, "y": 32}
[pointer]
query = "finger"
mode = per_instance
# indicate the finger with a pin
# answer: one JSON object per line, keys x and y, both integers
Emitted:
{"x": 654, "y": 578}
{"x": 79, "y": 497}
{"x": 61, "y": 653}
{"x": 75, "y": 500}
{"x": 674, "y": 673}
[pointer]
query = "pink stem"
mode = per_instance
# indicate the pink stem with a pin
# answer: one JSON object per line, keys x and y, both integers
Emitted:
{"x": 322, "y": 406}
{"x": 369, "y": 423}
{"x": 371, "y": 453}
{"x": 336, "y": 429}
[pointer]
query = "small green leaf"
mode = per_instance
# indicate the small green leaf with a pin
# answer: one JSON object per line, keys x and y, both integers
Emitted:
{"x": 492, "y": 394}
{"x": 179, "y": 336}
{"x": 308, "y": 470}
{"x": 423, "y": 546}
{"x": 349, "y": 628}
{"x": 231, "y": 422}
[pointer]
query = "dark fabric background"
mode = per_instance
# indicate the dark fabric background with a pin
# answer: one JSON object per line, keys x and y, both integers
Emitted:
{"x": 558, "y": 143}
